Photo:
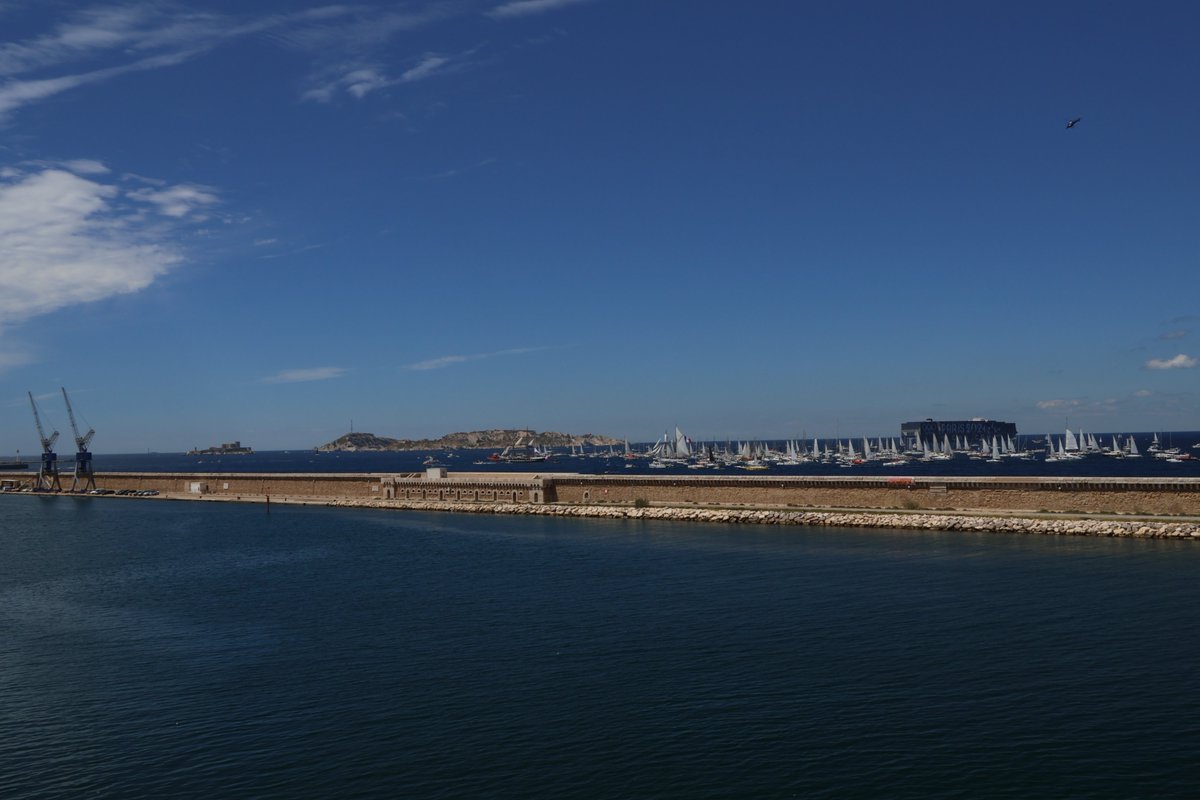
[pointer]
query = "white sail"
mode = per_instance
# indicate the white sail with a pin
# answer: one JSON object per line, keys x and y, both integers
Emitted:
{"x": 681, "y": 444}
{"x": 1133, "y": 450}
{"x": 1070, "y": 442}
{"x": 866, "y": 448}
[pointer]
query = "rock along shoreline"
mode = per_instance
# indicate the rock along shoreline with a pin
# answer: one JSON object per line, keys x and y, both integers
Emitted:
{"x": 1136, "y": 529}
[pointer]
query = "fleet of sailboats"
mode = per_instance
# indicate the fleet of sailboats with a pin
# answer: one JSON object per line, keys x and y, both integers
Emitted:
{"x": 676, "y": 449}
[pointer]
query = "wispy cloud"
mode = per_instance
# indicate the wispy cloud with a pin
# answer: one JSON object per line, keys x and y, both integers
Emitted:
{"x": 293, "y": 252}
{"x": 1050, "y": 405}
{"x": 1169, "y": 335}
{"x": 1181, "y": 361}
{"x": 452, "y": 173}
{"x": 67, "y": 238}
{"x": 17, "y": 93}
{"x": 525, "y": 8}
{"x": 359, "y": 79}
{"x": 139, "y": 38}
{"x": 305, "y": 375}
{"x": 1143, "y": 393}
{"x": 350, "y": 45}
{"x": 446, "y": 361}
{"x": 10, "y": 358}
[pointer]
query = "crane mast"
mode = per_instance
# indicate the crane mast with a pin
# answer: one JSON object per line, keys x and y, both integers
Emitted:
{"x": 47, "y": 479}
{"x": 85, "y": 478}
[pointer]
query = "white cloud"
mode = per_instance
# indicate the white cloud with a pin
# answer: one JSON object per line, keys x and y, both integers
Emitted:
{"x": 86, "y": 166}
{"x": 13, "y": 358}
{"x": 360, "y": 82}
{"x": 67, "y": 239}
{"x": 305, "y": 375}
{"x": 177, "y": 201}
{"x": 525, "y": 8}
{"x": 1181, "y": 361}
{"x": 1173, "y": 335}
{"x": 1143, "y": 393}
{"x": 1058, "y": 403}
{"x": 446, "y": 361}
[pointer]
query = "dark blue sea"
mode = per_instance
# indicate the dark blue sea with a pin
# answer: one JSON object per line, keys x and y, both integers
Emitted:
{"x": 164, "y": 649}
{"x": 598, "y": 461}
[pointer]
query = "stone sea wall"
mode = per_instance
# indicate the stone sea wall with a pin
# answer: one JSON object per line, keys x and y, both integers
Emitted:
{"x": 1063, "y": 495}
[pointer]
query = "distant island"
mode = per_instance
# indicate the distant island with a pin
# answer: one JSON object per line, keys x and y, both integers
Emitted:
{"x": 224, "y": 449}
{"x": 500, "y": 437}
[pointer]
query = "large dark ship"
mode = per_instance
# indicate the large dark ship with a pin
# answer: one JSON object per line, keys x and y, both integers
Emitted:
{"x": 972, "y": 429}
{"x": 13, "y": 463}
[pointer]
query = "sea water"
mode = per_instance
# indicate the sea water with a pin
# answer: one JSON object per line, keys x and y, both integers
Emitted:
{"x": 172, "y": 649}
{"x": 598, "y": 461}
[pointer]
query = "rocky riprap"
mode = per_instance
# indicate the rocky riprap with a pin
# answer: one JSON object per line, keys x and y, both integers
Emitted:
{"x": 1141, "y": 529}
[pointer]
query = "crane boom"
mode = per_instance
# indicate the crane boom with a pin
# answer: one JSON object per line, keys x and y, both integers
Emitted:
{"x": 80, "y": 441}
{"x": 47, "y": 444}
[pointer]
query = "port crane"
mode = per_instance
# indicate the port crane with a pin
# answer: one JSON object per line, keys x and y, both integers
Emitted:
{"x": 83, "y": 458}
{"x": 47, "y": 479}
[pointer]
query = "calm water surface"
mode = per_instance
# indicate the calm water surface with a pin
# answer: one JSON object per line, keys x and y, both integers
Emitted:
{"x": 165, "y": 649}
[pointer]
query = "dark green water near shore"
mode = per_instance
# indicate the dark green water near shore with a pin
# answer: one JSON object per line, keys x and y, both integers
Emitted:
{"x": 185, "y": 650}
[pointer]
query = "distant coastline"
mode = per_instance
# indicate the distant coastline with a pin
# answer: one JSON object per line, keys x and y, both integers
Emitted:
{"x": 478, "y": 440}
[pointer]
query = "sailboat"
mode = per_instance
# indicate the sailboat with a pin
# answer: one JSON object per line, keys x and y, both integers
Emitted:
{"x": 1115, "y": 451}
{"x": 521, "y": 452}
{"x": 682, "y": 449}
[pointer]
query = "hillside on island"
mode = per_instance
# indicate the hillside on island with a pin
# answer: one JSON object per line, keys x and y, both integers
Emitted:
{"x": 499, "y": 437}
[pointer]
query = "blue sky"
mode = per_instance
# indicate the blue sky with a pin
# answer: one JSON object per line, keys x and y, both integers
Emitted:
{"x": 259, "y": 221}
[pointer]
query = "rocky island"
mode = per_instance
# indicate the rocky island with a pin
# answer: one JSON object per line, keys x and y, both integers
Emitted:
{"x": 490, "y": 439}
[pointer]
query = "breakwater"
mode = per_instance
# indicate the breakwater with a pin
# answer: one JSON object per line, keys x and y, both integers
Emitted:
{"x": 1000, "y": 504}
{"x": 1140, "y": 496}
